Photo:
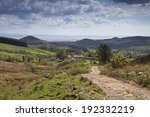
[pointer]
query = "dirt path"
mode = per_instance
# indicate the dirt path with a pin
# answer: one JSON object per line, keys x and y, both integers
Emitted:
{"x": 116, "y": 89}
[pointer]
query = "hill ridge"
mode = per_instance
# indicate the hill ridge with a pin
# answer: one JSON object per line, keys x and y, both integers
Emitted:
{"x": 31, "y": 40}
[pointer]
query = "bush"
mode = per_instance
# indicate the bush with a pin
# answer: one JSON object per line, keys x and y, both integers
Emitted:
{"x": 119, "y": 62}
{"x": 10, "y": 57}
{"x": 145, "y": 59}
{"x": 104, "y": 53}
{"x": 76, "y": 71}
{"x": 145, "y": 82}
{"x": 64, "y": 63}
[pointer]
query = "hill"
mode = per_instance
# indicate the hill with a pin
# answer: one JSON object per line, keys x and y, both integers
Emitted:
{"x": 30, "y": 40}
{"x": 12, "y": 41}
{"x": 116, "y": 43}
{"x": 23, "y": 50}
{"x": 11, "y": 53}
{"x": 136, "y": 43}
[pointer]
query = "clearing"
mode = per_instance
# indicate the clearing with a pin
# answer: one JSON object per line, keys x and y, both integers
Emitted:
{"x": 116, "y": 89}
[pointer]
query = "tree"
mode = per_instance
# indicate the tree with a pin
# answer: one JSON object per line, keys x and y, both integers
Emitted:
{"x": 104, "y": 53}
{"x": 61, "y": 55}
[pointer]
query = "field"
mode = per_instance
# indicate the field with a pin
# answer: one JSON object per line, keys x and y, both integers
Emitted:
{"x": 31, "y": 81}
{"x": 24, "y": 50}
{"x": 36, "y": 74}
{"x": 12, "y": 53}
{"x": 24, "y": 75}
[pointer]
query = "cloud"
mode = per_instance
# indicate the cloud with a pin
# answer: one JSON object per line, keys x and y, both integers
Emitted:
{"x": 49, "y": 14}
{"x": 133, "y": 1}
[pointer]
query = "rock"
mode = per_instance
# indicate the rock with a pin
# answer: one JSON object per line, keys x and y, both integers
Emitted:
{"x": 122, "y": 73}
{"x": 129, "y": 95}
{"x": 64, "y": 74}
{"x": 92, "y": 92}
{"x": 47, "y": 75}
{"x": 132, "y": 73}
{"x": 140, "y": 73}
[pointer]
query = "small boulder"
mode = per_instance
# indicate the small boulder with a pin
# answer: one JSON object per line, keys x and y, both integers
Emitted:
{"x": 92, "y": 92}
{"x": 47, "y": 75}
{"x": 131, "y": 74}
{"x": 140, "y": 73}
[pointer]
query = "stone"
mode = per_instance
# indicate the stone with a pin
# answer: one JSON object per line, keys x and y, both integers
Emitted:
{"x": 132, "y": 73}
{"x": 47, "y": 75}
{"x": 140, "y": 73}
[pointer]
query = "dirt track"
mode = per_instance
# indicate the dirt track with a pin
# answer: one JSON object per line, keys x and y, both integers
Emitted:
{"x": 116, "y": 89}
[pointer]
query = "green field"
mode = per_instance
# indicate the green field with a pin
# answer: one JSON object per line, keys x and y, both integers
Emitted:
{"x": 10, "y": 53}
{"x": 29, "y": 73}
{"x": 24, "y": 50}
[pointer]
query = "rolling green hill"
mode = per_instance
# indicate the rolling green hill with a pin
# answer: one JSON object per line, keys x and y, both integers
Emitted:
{"x": 24, "y": 50}
{"x": 11, "y": 53}
{"x": 30, "y": 40}
{"x": 137, "y": 43}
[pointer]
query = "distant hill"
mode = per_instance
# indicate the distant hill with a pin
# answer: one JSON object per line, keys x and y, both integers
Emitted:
{"x": 12, "y": 41}
{"x": 136, "y": 43}
{"x": 116, "y": 43}
{"x": 30, "y": 40}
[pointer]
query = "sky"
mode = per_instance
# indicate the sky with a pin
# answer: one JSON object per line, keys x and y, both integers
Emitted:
{"x": 74, "y": 19}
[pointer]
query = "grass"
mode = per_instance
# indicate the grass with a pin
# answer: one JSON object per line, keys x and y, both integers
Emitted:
{"x": 27, "y": 81}
{"x": 23, "y": 50}
{"x": 10, "y": 53}
{"x": 28, "y": 73}
{"x": 61, "y": 88}
{"x": 139, "y": 73}
{"x": 74, "y": 67}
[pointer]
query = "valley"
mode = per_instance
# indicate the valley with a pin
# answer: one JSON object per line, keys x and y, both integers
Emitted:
{"x": 79, "y": 70}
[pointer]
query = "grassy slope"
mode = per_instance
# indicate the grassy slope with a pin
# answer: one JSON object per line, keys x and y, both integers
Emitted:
{"x": 130, "y": 72}
{"x": 11, "y": 48}
{"x": 26, "y": 81}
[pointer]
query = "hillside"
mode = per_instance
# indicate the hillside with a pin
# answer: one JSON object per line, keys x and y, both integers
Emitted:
{"x": 12, "y": 41}
{"x": 116, "y": 43}
{"x": 32, "y": 73}
{"x": 30, "y": 40}
{"x": 137, "y": 43}
{"x": 23, "y": 50}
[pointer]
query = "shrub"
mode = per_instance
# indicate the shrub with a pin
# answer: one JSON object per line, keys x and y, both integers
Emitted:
{"x": 61, "y": 55}
{"x": 119, "y": 62}
{"x": 104, "y": 53}
{"x": 76, "y": 71}
{"x": 63, "y": 63}
{"x": 145, "y": 59}
{"x": 145, "y": 82}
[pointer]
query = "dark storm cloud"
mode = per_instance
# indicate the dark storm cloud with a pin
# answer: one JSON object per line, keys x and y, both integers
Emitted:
{"x": 132, "y": 1}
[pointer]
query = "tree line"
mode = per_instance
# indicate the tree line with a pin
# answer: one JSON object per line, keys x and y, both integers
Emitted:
{"x": 12, "y": 42}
